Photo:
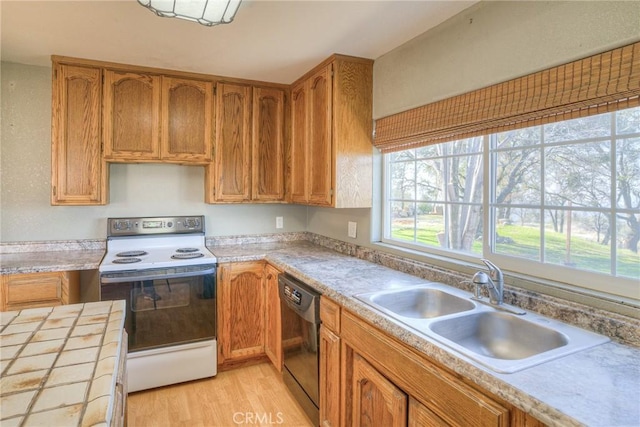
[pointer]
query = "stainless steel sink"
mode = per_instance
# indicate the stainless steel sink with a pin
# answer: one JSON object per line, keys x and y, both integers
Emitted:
{"x": 508, "y": 343}
{"x": 499, "y": 335}
{"x": 421, "y": 303}
{"x": 499, "y": 340}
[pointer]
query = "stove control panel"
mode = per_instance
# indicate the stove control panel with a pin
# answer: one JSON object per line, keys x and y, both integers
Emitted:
{"x": 120, "y": 227}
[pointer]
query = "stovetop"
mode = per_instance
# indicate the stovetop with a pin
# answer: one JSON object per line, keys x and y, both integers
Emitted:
{"x": 155, "y": 242}
{"x": 143, "y": 253}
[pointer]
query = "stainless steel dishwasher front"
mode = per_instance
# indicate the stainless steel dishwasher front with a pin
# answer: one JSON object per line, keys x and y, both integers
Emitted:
{"x": 300, "y": 310}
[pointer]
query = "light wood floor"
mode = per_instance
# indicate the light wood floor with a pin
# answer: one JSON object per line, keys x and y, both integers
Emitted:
{"x": 247, "y": 396}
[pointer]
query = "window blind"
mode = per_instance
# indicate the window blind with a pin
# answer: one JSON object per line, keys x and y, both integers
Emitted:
{"x": 601, "y": 83}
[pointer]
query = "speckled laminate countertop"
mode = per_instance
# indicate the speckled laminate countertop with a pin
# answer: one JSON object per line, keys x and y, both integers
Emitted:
{"x": 45, "y": 261}
{"x": 55, "y": 255}
{"x": 597, "y": 387}
{"x": 59, "y": 364}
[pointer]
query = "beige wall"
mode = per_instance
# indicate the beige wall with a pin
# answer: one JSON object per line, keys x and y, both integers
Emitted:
{"x": 496, "y": 41}
{"x": 137, "y": 189}
{"x": 486, "y": 44}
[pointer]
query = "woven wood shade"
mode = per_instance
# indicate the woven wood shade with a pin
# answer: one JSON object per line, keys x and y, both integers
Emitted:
{"x": 601, "y": 83}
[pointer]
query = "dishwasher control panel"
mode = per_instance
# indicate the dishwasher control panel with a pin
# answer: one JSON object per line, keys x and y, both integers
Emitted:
{"x": 299, "y": 297}
{"x": 292, "y": 294}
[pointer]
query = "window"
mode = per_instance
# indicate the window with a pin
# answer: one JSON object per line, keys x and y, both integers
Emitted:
{"x": 565, "y": 195}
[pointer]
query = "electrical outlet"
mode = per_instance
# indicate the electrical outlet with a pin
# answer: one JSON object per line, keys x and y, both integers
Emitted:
{"x": 353, "y": 229}
{"x": 279, "y": 222}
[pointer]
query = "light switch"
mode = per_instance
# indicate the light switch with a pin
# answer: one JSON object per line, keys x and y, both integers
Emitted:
{"x": 353, "y": 229}
{"x": 279, "y": 222}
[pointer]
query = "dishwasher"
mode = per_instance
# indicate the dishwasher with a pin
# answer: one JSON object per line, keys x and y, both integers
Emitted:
{"x": 300, "y": 312}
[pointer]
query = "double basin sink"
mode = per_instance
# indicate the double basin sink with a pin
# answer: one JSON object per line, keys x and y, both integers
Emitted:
{"x": 498, "y": 339}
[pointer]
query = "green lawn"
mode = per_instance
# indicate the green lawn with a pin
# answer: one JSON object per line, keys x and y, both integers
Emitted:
{"x": 585, "y": 254}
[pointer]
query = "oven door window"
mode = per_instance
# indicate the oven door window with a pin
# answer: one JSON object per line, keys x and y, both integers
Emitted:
{"x": 164, "y": 312}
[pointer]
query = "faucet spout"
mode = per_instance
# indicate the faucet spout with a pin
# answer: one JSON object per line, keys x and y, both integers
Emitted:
{"x": 494, "y": 282}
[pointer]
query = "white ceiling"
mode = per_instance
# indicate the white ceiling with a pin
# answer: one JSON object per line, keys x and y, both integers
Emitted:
{"x": 275, "y": 41}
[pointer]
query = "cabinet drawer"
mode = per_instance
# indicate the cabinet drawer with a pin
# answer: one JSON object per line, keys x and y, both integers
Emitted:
{"x": 330, "y": 314}
{"x": 20, "y": 291}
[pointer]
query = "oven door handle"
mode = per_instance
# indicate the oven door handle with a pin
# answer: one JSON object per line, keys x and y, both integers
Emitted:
{"x": 160, "y": 274}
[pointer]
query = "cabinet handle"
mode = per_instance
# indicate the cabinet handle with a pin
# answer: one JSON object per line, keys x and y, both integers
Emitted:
{"x": 269, "y": 276}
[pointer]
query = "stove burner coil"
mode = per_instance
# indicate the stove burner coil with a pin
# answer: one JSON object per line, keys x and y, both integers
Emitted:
{"x": 129, "y": 260}
{"x": 131, "y": 254}
{"x": 187, "y": 255}
{"x": 186, "y": 250}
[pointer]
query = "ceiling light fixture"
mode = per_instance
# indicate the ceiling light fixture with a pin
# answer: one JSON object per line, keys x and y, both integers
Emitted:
{"x": 205, "y": 12}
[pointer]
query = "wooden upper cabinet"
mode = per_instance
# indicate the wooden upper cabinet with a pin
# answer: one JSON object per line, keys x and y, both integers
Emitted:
{"x": 232, "y": 175}
{"x": 78, "y": 174}
{"x": 249, "y": 159}
{"x": 298, "y": 149}
{"x": 352, "y": 132}
{"x": 131, "y": 122}
{"x": 157, "y": 118}
{"x": 187, "y": 120}
{"x": 331, "y": 151}
{"x": 319, "y": 138}
{"x": 267, "y": 146}
{"x": 311, "y": 175}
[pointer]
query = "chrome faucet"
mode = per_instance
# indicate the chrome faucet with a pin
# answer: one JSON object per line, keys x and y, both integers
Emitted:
{"x": 494, "y": 282}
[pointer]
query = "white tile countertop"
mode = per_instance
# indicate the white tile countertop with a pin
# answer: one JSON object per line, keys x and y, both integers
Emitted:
{"x": 595, "y": 387}
{"x": 59, "y": 364}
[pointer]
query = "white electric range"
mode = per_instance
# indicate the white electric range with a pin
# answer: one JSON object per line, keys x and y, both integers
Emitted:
{"x": 162, "y": 268}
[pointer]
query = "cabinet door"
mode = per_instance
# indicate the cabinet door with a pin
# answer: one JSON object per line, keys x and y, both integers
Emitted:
{"x": 78, "y": 174}
{"x": 241, "y": 301}
{"x": 131, "y": 116}
{"x": 273, "y": 326}
{"x": 320, "y": 160}
{"x": 233, "y": 143}
{"x": 421, "y": 416}
{"x": 376, "y": 400}
{"x": 268, "y": 144}
{"x": 329, "y": 378}
{"x": 299, "y": 133}
{"x": 187, "y": 120}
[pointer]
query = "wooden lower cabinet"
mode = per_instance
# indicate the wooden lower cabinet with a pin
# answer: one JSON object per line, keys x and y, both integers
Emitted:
{"x": 329, "y": 363}
{"x": 249, "y": 318}
{"x": 421, "y": 416}
{"x": 273, "y": 325}
{"x": 329, "y": 378}
{"x": 382, "y": 381}
{"x": 241, "y": 319}
{"x": 32, "y": 290}
{"x": 375, "y": 400}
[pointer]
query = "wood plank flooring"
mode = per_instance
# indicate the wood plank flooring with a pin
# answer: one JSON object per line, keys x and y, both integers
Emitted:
{"x": 249, "y": 396}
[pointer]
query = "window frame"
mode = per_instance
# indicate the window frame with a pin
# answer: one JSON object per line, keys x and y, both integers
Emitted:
{"x": 580, "y": 280}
